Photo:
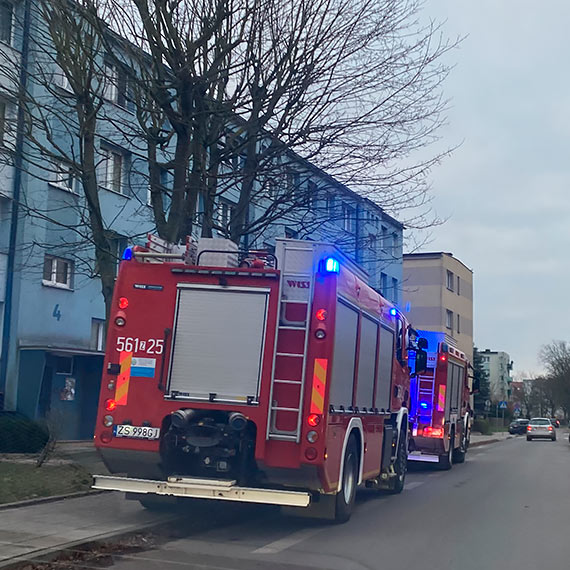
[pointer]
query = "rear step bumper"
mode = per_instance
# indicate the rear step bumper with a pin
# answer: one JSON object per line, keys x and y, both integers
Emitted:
{"x": 423, "y": 457}
{"x": 202, "y": 489}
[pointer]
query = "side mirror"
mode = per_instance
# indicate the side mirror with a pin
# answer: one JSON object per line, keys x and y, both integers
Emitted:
{"x": 422, "y": 343}
{"x": 421, "y": 360}
{"x": 475, "y": 387}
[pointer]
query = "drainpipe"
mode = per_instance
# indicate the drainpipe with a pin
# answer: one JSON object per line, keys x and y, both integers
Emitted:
{"x": 18, "y": 161}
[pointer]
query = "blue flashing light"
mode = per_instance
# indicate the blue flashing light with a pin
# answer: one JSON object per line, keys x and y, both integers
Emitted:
{"x": 128, "y": 253}
{"x": 393, "y": 312}
{"x": 332, "y": 265}
{"x": 424, "y": 405}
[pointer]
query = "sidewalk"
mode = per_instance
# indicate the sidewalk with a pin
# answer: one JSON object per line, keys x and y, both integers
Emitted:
{"x": 40, "y": 529}
{"x": 478, "y": 439}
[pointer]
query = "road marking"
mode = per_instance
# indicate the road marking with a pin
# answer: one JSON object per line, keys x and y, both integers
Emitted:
{"x": 288, "y": 541}
{"x": 413, "y": 485}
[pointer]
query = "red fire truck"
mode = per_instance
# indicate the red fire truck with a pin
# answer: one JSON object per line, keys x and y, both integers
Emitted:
{"x": 281, "y": 379}
{"x": 440, "y": 412}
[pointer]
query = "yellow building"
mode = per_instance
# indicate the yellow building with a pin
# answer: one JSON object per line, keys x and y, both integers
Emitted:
{"x": 437, "y": 294}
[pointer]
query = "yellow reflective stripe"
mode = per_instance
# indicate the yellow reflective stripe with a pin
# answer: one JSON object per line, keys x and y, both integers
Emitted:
{"x": 122, "y": 389}
{"x": 319, "y": 384}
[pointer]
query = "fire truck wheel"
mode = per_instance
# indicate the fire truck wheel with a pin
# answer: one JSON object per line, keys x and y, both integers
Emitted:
{"x": 446, "y": 461}
{"x": 345, "y": 497}
{"x": 400, "y": 466}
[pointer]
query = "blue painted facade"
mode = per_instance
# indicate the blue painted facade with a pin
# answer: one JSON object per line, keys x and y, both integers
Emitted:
{"x": 55, "y": 350}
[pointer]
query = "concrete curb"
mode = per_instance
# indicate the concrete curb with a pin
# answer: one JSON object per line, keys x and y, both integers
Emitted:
{"x": 53, "y": 498}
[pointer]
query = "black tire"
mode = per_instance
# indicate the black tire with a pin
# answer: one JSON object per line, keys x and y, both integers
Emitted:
{"x": 157, "y": 503}
{"x": 400, "y": 465}
{"x": 461, "y": 451}
{"x": 345, "y": 498}
{"x": 528, "y": 438}
{"x": 554, "y": 437}
{"x": 446, "y": 460}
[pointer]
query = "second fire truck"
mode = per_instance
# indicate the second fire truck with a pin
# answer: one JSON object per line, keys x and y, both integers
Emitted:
{"x": 280, "y": 379}
{"x": 440, "y": 412}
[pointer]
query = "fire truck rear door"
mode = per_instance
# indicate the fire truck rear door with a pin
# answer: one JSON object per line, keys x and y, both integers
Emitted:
{"x": 218, "y": 343}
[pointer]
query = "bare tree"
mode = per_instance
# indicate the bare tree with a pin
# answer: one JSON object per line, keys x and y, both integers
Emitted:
{"x": 353, "y": 86}
{"x": 556, "y": 358}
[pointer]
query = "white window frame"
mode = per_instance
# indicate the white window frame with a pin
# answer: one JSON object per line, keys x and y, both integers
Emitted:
{"x": 106, "y": 174}
{"x": 225, "y": 213}
{"x": 10, "y": 26}
{"x": 110, "y": 82}
{"x": 449, "y": 280}
{"x": 449, "y": 319}
{"x": 62, "y": 177}
{"x": 98, "y": 334}
{"x": 348, "y": 218}
{"x": 55, "y": 263}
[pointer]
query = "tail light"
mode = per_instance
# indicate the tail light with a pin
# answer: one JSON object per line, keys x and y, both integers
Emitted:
{"x": 110, "y": 405}
{"x": 528, "y": 428}
{"x": 433, "y": 432}
{"x": 549, "y": 428}
{"x": 314, "y": 420}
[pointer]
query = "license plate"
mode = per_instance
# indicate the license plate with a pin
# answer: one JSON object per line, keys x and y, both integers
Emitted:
{"x": 138, "y": 432}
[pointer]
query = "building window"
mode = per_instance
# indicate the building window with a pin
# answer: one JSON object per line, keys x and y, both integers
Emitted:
{"x": 98, "y": 330}
{"x": 384, "y": 232}
{"x": 348, "y": 218}
{"x": 62, "y": 177}
{"x": 450, "y": 280}
{"x": 61, "y": 79}
{"x": 225, "y": 213}
{"x": 111, "y": 170}
{"x": 115, "y": 84}
{"x": 394, "y": 244}
{"x": 449, "y": 319}
{"x": 293, "y": 183}
{"x": 312, "y": 194}
{"x": 458, "y": 280}
{"x": 57, "y": 272}
{"x": 2, "y": 121}
{"x": 291, "y": 233}
{"x": 394, "y": 290}
{"x": 458, "y": 327}
{"x": 6, "y": 18}
{"x": 330, "y": 204}
{"x": 384, "y": 284}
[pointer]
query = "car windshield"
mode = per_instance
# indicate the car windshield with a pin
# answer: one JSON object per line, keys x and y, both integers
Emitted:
{"x": 540, "y": 422}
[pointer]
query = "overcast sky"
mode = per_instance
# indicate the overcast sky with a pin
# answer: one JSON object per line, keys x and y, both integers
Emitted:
{"x": 506, "y": 189}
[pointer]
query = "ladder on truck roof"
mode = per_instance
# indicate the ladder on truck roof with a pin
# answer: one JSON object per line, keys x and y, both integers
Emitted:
{"x": 296, "y": 293}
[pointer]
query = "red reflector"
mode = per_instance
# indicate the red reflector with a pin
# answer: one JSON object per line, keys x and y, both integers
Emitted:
{"x": 433, "y": 432}
{"x": 311, "y": 453}
{"x": 314, "y": 420}
{"x": 123, "y": 303}
{"x": 110, "y": 405}
{"x": 321, "y": 314}
{"x": 106, "y": 437}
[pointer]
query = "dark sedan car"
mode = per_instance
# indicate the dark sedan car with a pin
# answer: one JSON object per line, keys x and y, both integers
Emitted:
{"x": 518, "y": 426}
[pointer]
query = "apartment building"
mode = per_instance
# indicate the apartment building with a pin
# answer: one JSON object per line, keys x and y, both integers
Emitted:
{"x": 438, "y": 295}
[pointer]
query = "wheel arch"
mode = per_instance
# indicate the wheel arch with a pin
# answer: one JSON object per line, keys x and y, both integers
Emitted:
{"x": 354, "y": 427}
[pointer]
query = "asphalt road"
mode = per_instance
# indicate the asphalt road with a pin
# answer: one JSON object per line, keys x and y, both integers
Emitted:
{"x": 507, "y": 507}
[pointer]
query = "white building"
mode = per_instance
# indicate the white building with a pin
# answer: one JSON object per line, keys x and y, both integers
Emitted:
{"x": 498, "y": 365}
